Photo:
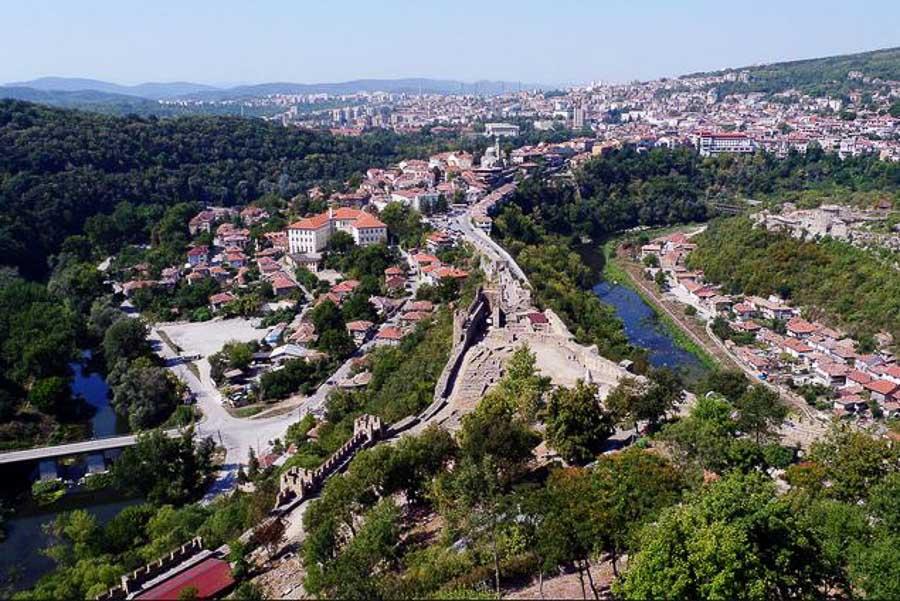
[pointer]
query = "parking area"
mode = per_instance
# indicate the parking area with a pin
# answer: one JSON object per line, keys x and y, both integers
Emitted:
{"x": 207, "y": 337}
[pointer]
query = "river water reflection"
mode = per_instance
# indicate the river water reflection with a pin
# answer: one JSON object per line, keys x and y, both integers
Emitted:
{"x": 644, "y": 330}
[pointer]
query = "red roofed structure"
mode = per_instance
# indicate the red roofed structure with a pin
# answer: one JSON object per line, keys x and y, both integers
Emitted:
{"x": 881, "y": 389}
{"x": 799, "y": 328}
{"x": 389, "y": 335}
{"x": 211, "y": 578}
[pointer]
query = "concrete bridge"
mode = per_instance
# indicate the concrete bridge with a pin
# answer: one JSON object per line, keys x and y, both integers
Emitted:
{"x": 96, "y": 445}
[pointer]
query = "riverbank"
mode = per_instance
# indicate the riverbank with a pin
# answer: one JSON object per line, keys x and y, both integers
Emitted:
{"x": 630, "y": 274}
{"x": 22, "y": 558}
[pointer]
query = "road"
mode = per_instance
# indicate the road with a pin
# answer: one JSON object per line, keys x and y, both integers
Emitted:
{"x": 236, "y": 435}
{"x": 488, "y": 246}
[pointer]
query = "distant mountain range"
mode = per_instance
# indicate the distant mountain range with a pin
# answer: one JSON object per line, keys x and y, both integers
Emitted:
{"x": 152, "y": 90}
{"x": 194, "y": 91}
{"x": 77, "y": 98}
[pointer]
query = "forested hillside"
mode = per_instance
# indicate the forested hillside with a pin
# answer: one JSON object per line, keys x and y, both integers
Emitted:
{"x": 817, "y": 76}
{"x": 628, "y": 188}
{"x": 844, "y": 283}
{"x": 60, "y": 167}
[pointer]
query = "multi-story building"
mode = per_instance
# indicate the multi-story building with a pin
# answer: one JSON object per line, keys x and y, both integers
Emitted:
{"x": 501, "y": 130}
{"x": 710, "y": 143}
{"x": 311, "y": 234}
{"x": 578, "y": 117}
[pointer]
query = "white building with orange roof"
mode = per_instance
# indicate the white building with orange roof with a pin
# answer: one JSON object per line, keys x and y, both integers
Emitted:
{"x": 311, "y": 234}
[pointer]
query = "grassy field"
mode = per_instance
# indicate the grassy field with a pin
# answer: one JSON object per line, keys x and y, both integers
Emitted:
{"x": 248, "y": 411}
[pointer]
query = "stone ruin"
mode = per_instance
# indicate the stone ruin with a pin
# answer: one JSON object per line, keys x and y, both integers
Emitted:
{"x": 298, "y": 484}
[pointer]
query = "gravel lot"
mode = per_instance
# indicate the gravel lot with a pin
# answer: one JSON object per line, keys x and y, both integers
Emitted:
{"x": 207, "y": 337}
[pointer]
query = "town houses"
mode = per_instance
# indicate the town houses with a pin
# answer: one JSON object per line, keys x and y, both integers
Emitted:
{"x": 772, "y": 339}
{"x": 707, "y": 112}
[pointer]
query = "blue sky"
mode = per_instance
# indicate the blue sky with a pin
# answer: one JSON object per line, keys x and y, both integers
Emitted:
{"x": 548, "y": 41}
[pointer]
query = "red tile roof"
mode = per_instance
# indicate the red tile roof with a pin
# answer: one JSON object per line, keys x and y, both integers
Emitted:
{"x": 414, "y": 316}
{"x": 800, "y": 326}
{"x": 221, "y": 298}
{"x": 311, "y": 223}
{"x": 796, "y": 345}
{"x": 422, "y": 305}
{"x": 395, "y": 282}
{"x": 451, "y": 272}
{"x": 367, "y": 221}
{"x": 389, "y": 333}
{"x": 423, "y": 258}
{"x": 859, "y": 376}
{"x": 892, "y": 371}
{"x": 360, "y": 219}
{"x": 345, "y": 286}
{"x": 282, "y": 283}
{"x": 884, "y": 387}
{"x": 359, "y": 326}
{"x": 210, "y": 578}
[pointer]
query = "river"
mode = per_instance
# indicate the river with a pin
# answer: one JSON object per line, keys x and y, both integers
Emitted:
{"x": 21, "y": 561}
{"x": 644, "y": 330}
{"x": 93, "y": 388}
{"x": 642, "y": 326}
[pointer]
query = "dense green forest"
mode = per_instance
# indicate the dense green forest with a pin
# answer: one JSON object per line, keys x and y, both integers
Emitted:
{"x": 122, "y": 105}
{"x": 58, "y": 167}
{"x": 818, "y": 76}
{"x": 833, "y": 279}
{"x": 627, "y": 188}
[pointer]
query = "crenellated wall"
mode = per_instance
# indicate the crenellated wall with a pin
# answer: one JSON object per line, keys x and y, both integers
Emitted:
{"x": 134, "y": 581}
{"x": 298, "y": 484}
{"x": 467, "y": 327}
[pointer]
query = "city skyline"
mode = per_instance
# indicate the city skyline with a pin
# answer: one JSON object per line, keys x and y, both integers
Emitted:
{"x": 231, "y": 43}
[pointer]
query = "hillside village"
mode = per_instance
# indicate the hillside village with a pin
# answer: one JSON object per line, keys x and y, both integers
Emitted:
{"x": 772, "y": 340}
{"x": 267, "y": 264}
